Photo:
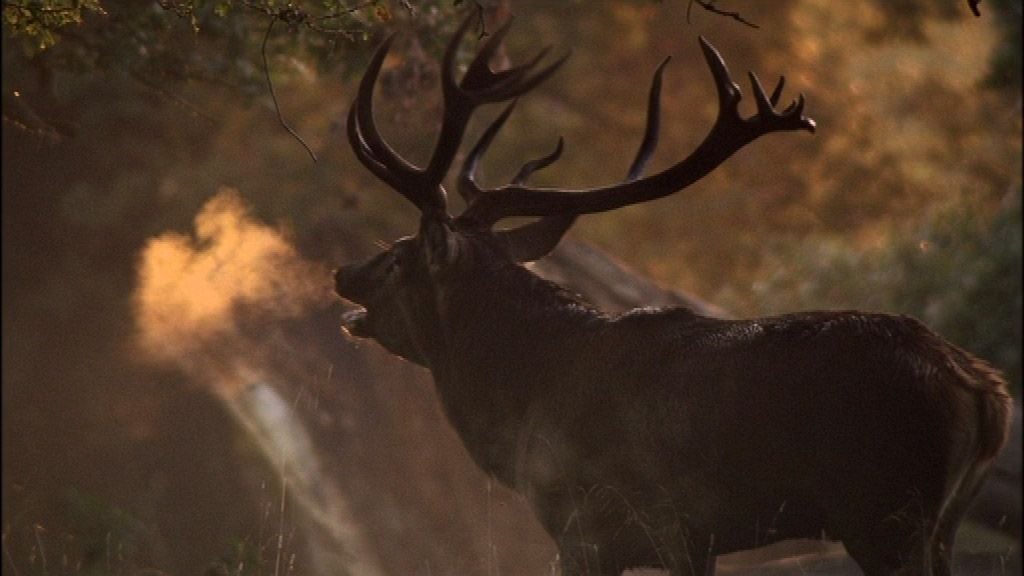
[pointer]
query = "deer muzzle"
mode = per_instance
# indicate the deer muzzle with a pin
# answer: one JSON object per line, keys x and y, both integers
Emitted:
{"x": 354, "y": 322}
{"x": 355, "y": 283}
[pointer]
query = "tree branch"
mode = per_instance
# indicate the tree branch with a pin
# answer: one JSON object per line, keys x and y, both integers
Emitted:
{"x": 270, "y": 85}
{"x": 709, "y": 5}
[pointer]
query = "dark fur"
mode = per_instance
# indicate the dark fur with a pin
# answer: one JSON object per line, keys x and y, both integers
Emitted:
{"x": 663, "y": 438}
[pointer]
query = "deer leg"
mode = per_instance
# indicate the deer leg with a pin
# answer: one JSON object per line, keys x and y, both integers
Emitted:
{"x": 610, "y": 548}
{"x": 942, "y": 541}
{"x": 949, "y": 521}
{"x": 962, "y": 492}
{"x": 709, "y": 568}
{"x": 609, "y": 534}
{"x": 895, "y": 546}
{"x": 579, "y": 559}
{"x": 942, "y": 552}
{"x": 875, "y": 558}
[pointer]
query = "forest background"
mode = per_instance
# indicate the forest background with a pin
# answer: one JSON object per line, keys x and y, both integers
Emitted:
{"x": 123, "y": 120}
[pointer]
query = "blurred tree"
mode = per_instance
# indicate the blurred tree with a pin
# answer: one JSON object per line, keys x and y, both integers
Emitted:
{"x": 957, "y": 270}
{"x": 40, "y": 22}
{"x": 212, "y": 40}
{"x": 1006, "y": 62}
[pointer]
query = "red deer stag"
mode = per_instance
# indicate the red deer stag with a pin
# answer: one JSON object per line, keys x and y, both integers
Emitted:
{"x": 660, "y": 438}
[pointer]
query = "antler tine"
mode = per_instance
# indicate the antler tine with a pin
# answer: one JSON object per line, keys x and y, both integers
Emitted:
{"x": 650, "y": 139}
{"x": 778, "y": 91}
{"x": 764, "y": 107}
{"x": 459, "y": 104}
{"x": 374, "y": 152}
{"x": 368, "y": 159}
{"x": 468, "y": 188}
{"x": 362, "y": 151}
{"x": 363, "y": 104}
{"x": 485, "y": 85}
{"x": 538, "y": 164}
{"x": 729, "y": 133}
{"x": 479, "y": 74}
{"x": 537, "y": 239}
{"x": 796, "y": 108}
{"x": 728, "y": 91}
{"x": 793, "y": 114}
{"x": 478, "y": 86}
{"x": 729, "y": 96}
{"x": 518, "y": 85}
{"x": 449, "y": 83}
{"x": 511, "y": 77}
{"x": 530, "y": 241}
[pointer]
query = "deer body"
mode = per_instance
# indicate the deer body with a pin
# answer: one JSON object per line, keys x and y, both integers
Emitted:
{"x": 663, "y": 438}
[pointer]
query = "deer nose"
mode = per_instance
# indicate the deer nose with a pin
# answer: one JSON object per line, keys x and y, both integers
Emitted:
{"x": 350, "y": 283}
{"x": 359, "y": 281}
{"x": 343, "y": 280}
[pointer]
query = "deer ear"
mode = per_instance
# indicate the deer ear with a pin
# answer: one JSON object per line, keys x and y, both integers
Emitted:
{"x": 440, "y": 243}
{"x": 536, "y": 239}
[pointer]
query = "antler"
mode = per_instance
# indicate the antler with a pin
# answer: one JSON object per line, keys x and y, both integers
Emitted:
{"x": 729, "y": 133}
{"x": 479, "y": 85}
{"x": 557, "y": 208}
{"x": 534, "y": 240}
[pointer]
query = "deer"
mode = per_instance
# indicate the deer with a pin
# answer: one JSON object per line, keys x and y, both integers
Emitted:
{"x": 662, "y": 438}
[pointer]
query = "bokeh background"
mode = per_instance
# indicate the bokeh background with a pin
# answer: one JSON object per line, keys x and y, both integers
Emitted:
{"x": 177, "y": 397}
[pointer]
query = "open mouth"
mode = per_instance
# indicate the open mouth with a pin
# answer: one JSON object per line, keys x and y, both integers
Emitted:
{"x": 354, "y": 322}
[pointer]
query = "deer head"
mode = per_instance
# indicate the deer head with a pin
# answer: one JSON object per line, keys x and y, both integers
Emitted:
{"x": 402, "y": 290}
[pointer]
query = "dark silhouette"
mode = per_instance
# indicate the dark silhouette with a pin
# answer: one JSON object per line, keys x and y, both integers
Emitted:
{"x": 664, "y": 437}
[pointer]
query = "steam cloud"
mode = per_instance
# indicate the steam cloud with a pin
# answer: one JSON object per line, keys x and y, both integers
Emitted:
{"x": 192, "y": 292}
{"x": 212, "y": 305}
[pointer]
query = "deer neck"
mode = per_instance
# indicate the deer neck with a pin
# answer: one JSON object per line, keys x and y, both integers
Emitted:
{"x": 507, "y": 337}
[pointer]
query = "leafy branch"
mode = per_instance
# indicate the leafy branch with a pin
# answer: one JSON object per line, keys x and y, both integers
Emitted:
{"x": 39, "y": 21}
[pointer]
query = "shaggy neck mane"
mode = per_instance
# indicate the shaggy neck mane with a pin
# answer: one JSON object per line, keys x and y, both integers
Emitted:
{"x": 506, "y": 288}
